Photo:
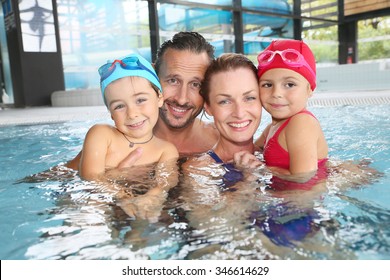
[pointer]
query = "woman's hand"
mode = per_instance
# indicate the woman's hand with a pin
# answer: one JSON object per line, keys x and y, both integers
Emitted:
{"x": 244, "y": 160}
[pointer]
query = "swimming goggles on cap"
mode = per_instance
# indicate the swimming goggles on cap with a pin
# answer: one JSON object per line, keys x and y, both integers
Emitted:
{"x": 128, "y": 63}
{"x": 290, "y": 57}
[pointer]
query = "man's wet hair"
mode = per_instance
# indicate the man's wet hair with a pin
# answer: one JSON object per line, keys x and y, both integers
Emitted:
{"x": 184, "y": 41}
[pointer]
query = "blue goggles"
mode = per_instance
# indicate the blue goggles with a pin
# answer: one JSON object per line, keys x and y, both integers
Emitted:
{"x": 133, "y": 65}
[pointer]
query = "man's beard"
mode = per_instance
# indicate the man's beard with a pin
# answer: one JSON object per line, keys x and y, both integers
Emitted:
{"x": 176, "y": 122}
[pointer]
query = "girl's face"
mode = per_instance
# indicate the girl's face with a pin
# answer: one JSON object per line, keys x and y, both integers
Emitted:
{"x": 133, "y": 104}
{"x": 283, "y": 92}
{"x": 235, "y": 104}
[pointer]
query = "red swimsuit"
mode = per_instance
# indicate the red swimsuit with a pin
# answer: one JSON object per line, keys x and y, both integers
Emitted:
{"x": 276, "y": 155}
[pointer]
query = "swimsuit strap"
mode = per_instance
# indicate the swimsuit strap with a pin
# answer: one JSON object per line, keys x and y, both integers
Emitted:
{"x": 279, "y": 130}
{"x": 214, "y": 156}
{"x": 231, "y": 176}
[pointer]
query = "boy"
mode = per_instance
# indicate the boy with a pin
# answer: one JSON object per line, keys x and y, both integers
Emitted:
{"x": 132, "y": 93}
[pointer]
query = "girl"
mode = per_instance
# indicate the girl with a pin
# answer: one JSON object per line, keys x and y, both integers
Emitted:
{"x": 294, "y": 142}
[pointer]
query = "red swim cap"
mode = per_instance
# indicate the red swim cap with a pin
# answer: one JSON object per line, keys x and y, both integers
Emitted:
{"x": 277, "y": 62}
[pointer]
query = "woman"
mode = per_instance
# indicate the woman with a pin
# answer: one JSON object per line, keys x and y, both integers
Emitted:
{"x": 220, "y": 200}
{"x": 213, "y": 197}
{"x": 231, "y": 95}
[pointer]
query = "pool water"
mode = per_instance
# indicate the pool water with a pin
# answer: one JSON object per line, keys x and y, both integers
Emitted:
{"x": 59, "y": 216}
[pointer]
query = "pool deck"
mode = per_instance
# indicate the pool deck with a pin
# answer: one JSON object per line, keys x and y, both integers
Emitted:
{"x": 39, "y": 115}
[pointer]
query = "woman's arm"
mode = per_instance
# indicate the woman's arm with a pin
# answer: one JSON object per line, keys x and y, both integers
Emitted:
{"x": 261, "y": 141}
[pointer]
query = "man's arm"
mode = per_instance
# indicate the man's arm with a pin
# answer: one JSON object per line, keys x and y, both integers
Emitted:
{"x": 75, "y": 162}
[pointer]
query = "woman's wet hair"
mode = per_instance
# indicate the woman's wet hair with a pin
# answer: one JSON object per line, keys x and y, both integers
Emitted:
{"x": 226, "y": 62}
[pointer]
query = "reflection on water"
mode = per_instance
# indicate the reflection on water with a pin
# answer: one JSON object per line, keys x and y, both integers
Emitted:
{"x": 198, "y": 220}
{"x": 55, "y": 215}
{"x": 89, "y": 220}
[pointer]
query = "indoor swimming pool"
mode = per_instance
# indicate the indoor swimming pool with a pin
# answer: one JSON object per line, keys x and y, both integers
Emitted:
{"x": 59, "y": 216}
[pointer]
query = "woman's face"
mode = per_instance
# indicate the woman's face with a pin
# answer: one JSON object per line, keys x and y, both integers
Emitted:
{"x": 235, "y": 104}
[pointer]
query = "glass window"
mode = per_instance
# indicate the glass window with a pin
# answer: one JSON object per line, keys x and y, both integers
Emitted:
{"x": 92, "y": 32}
{"x": 5, "y": 65}
{"x": 270, "y": 6}
{"x": 374, "y": 38}
{"x": 323, "y": 42}
{"x": 213, "y": 2}
{"x": 321, "y": 35}
{"x": 260, "y": 30}
{"x": 215, "y": 25}
{"x": 321, "y": 9}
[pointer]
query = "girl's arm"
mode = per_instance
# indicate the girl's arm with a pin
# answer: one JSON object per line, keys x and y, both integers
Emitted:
{"x": 93, "y": 157}
{"x": 301, "y": 140}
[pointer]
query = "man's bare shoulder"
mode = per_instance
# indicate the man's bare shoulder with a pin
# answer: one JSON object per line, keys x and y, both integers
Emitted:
{"x": 207, "y": 128}
{"x": 202, "y": 138}
{"x": 165, "y": 145}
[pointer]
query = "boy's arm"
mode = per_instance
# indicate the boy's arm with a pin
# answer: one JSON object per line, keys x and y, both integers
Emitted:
{"x": 129, "y": 161}
{"x": 149, "y": 205}
{"x": 93, "y": 158}
{"x": 170, "y": 153}
{"x": 167, "y": 169}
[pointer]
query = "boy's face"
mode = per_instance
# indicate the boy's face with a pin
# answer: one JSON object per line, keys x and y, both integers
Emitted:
{"x": 283, "y": 92}
{"x": 133, "y": 104}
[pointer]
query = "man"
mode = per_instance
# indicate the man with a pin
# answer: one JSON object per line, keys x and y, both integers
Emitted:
{"x": 181, "y": 64}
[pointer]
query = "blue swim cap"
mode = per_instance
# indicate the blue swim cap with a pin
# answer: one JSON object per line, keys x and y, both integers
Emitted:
{"x": 132, "y": 65}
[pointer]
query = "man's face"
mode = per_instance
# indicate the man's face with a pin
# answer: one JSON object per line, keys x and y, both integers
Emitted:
{"x": 181, "y": 74}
